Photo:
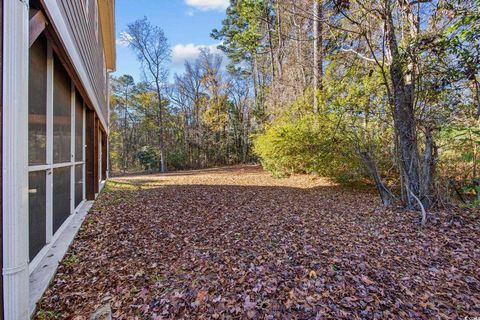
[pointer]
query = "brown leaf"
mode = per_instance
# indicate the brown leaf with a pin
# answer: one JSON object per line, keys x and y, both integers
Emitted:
{"x": 367, "y": 280}
{"x": 201, "y": 295}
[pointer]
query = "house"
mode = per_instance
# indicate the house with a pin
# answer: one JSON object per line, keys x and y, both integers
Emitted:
{"x": 56, "y": 56}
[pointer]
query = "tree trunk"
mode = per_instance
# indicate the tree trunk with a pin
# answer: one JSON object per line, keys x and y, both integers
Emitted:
{"x": 163, "y": 166}
{"x": 383, "y": 191}
{"x": 301, "y": 68}
{"x": 125, "y": 139}
{"x": 255, "y": 81}
{"x": 404, "y": 118}
{"x": 280, "y": 41}
{"x": 476, "y": 93}
{"x": 428, "y": 172}
{"x": 270, "y": 44}
{"x": 317, "y": 51}
{"x": 125, "y": 124}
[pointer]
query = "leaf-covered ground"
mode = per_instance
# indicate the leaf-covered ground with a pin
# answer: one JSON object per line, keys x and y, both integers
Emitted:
{"x": 237, "y": 244}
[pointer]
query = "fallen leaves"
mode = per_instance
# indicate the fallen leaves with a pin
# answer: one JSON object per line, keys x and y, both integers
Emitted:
{"x": 367, "y": 280}
{"x": 235, "y": 243}
{"x": 201, "y": 295}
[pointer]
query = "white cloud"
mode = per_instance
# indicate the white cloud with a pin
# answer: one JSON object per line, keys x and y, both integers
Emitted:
{"x": 206, "y": 5}
{"x": 190, "y": 13}
{"x": 190, "y": 52}
{"x": 124, "y": 39}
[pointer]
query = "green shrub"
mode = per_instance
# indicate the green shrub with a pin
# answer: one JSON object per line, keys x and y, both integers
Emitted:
{"x": 176, "y": 159}
{"x": 148, "y": 157}
{"x": 310, "y": 144}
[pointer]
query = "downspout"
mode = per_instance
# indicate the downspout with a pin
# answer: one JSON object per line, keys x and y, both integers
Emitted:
{"x": 1, "y": 146}
{"x": 15, "y": 159}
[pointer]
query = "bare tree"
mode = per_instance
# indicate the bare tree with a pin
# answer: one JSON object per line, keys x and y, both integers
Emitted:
{"x": 150, "y": 44}
{"x": 317, "y": 51}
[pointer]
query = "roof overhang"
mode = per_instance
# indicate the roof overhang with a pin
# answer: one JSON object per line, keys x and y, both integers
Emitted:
{"x": 106, "y": 10}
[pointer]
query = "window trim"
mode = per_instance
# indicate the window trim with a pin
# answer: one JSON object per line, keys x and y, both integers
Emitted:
{"x": 49, "y": 166}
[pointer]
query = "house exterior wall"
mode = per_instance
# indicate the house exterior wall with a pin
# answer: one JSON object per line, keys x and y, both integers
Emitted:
{"x": 84, "y": 27}
{"x": 77, "y": 38}
{"x": 81, "y": 28}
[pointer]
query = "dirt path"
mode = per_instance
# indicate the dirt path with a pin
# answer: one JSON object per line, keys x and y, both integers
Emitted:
{"x": 235, "y": 243}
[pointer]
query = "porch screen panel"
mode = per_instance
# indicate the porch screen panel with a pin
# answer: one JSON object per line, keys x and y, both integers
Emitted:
{"x": 78, "y": 184}
{"x": 61, "y": 114}
{"x": 37, "y": 102}
{"x": 78, "y": 127}
{"x": 61, "y": 196}
{"x": 37, "y": 212}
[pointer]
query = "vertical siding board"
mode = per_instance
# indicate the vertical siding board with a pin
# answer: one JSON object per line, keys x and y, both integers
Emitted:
{"x": 90, "y": 46}
{"x": 78, "y": 27}
{"x": 76, "y": 34}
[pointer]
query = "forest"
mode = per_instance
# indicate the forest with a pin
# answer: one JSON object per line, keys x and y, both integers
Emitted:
{"x": 376, "y": 93}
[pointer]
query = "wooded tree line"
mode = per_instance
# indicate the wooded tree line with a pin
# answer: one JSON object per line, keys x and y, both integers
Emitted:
{"x": 385, "y": 91}
{"x": 203, "y": 118}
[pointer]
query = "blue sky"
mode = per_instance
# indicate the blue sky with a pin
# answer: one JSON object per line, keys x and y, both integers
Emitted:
{"x": 186, "y": 23}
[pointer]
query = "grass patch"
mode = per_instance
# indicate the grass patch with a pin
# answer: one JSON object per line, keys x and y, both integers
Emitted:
{"x": 47, "y": 315}
{"x": 70, "y": 260}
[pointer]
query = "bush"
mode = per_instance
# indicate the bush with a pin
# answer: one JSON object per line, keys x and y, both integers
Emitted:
{"x": 148, "y": 157}
{"x": 176, "y": 159}
{"x": 310, "y": 144}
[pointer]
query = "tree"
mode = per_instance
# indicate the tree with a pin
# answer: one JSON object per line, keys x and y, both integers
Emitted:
{"x": 123, "y": 88}
{"x": 317, "y": 51}
{"x": 396, "y": 51}
{"x": 152, "y": 49}
{"x": 242, "y": 34}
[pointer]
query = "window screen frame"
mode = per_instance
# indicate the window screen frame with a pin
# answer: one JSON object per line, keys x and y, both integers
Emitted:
{"x": 50, "y": 165}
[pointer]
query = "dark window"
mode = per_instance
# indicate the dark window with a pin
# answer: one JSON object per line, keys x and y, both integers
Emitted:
{"x": 61, "y": 114}
{"x": 37, "y": 212}
{"x": 78, "y": 184}
{"x": 61, "y": 196}
{"x": 78, "y": 127}
{"x": 37, "y": 102}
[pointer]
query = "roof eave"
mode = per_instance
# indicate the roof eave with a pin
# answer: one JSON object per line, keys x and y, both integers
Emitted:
{"x": 106, "y": 9}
